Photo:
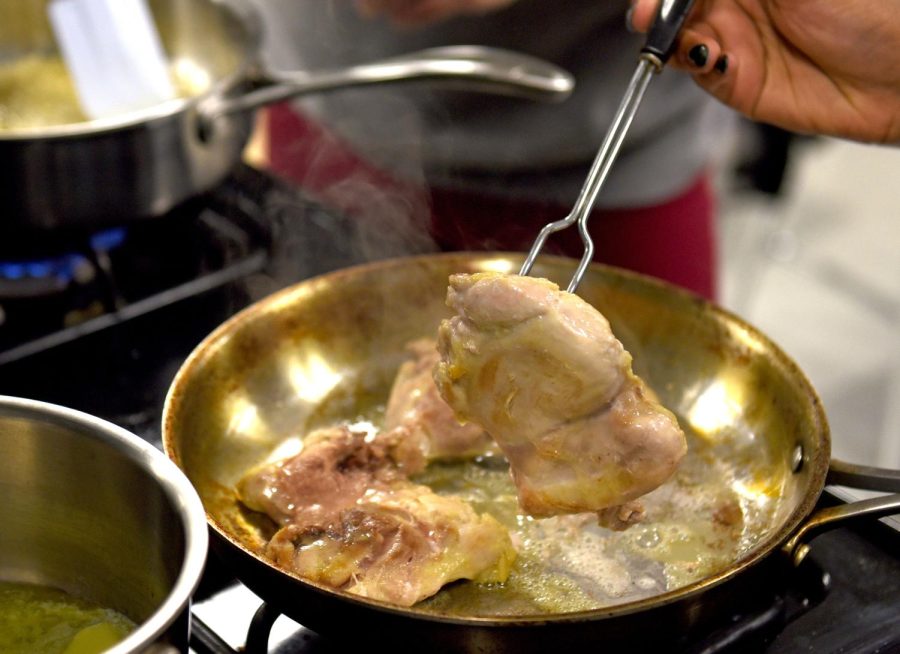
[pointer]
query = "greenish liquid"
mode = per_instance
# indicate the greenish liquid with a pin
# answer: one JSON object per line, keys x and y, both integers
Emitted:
{"x": 43, "y": 620}
{"x": 568, "y": 563}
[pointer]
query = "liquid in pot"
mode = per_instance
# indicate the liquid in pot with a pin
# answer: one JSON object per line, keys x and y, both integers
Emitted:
{"x": 36, "y": 91}
{"x": 47, "y": 620}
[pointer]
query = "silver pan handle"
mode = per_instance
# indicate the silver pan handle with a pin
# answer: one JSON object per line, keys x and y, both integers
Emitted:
{"x": 472, "y": 67}
{"x": 842, "y": 473}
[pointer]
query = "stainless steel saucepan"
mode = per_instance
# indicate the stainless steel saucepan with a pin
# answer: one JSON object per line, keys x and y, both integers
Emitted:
{"x": 95, "y": 511}
{"x": 68, "y": 172}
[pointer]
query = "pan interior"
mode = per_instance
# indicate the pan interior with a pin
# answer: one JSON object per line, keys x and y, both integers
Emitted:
{"x": 326, "y": 352}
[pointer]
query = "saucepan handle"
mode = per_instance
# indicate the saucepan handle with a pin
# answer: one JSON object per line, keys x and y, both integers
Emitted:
{"x": 472, "y": 67}
{"x": 857, "y": 476}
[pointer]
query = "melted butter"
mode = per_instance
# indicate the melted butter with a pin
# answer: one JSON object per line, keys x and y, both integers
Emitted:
{"x": 696, "y": 524}
{"x": 37, "y": 91}
{"x": 42, "y": 620}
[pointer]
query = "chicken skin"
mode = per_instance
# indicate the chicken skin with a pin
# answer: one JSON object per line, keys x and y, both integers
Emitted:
{"x": 541, "y": 371}
{"x": 414, "y": 403}
{"x": 352, "y": 520}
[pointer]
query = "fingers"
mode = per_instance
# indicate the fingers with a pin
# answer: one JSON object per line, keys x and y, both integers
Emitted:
{"x": 699, "y": 52}
{"x": 642, "y": 13}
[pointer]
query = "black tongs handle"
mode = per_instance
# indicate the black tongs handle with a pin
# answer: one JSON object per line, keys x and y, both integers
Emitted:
{"x": 664, "y": 32}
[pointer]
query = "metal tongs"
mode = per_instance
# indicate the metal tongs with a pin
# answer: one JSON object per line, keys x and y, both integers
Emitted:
{"x": 656, "y": 51}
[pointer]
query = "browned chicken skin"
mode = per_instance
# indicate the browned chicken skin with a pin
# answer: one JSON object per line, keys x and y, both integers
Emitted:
{"x": 541, "y": 371}
{"x": 352, "y": 520}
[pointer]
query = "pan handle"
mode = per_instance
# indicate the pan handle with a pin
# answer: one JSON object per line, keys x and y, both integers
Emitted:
{"x": 841, "y": 473}
{"x": 848, "y": 474}
{"x": 476, "y": 67}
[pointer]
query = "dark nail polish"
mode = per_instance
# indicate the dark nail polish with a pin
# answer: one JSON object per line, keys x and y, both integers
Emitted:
{"x": 722, "y": 64}
{"x": 698, "y": 55}
{"x": 629, "y": 17}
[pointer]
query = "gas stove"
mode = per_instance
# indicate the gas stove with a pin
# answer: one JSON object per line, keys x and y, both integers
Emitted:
{"x": 101, "y": 321}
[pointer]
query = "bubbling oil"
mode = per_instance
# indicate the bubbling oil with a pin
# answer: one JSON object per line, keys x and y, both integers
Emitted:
{"x": 698, "y": 523}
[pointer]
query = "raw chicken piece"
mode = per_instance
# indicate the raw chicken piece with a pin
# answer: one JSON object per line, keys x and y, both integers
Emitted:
{"x": 415, "y": 403}
{"x": 352, "y": 520}
{"x": 541, "y": 371}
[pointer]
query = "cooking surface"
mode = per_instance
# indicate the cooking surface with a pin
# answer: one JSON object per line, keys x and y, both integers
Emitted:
{"x": 121, "y": 370}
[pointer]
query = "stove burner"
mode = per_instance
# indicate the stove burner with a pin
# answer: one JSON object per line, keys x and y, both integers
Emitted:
{"x": 110, "y": 345}
{"x": 114, "y": 274}
{"x": 40, "y": 295}
{"x": 36, "y": 277}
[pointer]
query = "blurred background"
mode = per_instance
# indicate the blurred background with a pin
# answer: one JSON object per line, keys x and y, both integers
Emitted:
{"x": 810, "y": 257}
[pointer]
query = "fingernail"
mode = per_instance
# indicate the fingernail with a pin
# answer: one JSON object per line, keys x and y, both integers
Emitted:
{"x": 721, "y": 64}
{"x": 698, "y": 55}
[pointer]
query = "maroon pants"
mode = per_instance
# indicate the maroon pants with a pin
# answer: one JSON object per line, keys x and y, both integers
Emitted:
{"x": 674, "y": 241}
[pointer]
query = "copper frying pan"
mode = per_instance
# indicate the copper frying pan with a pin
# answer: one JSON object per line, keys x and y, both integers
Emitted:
{"x": 326, "y": 350}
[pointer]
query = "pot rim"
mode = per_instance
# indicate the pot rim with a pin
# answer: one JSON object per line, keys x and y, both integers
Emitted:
{"x": 817, "y": 462}
{"x": 173, "y": 483}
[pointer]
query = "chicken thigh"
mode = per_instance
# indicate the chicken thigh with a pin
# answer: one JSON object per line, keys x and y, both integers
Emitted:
{"x": 542, "y": 372}
{"x": 352, "y": 520}
{"x": 414, "y": 403}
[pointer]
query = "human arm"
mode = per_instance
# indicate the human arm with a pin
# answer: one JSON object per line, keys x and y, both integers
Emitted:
{"x": 814, "y": 66}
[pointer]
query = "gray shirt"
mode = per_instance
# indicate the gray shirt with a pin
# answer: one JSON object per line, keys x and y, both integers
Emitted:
{"x": 500, "y": 145}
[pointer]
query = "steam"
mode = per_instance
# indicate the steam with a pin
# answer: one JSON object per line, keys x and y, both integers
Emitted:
{"x": 360, "y": 197}
{"x": 358, "y": 152}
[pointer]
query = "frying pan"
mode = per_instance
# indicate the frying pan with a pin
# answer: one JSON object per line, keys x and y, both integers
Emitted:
{"x": 326, "y": 350}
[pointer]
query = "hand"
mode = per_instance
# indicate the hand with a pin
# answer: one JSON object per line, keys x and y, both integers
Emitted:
{"x": 821, "y": 66}
{"x": 418, "y": 13}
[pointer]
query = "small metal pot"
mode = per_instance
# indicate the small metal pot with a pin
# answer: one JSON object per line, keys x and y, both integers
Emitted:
{"x": 95, "y": 511}
{"x": 144, "y": 163}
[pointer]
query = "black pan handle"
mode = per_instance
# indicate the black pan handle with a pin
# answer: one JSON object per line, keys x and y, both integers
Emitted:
{"x": 663, "y": 35}
{"x": 841, "y": 473}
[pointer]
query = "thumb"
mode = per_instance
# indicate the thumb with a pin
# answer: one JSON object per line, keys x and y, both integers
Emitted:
{"x": 642, "y": 13}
